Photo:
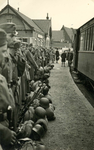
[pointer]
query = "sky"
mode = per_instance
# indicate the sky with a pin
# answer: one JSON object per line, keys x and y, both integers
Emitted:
{"x": 70, "y": 13}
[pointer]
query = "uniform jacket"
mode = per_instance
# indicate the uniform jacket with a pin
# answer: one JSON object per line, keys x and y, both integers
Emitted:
{"x": 6, "y": 99}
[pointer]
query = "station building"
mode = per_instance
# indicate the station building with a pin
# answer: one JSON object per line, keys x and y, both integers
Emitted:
{"x": 37, "y": 32}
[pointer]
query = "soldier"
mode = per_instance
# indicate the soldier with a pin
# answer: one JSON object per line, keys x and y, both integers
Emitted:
{"x": 7, "y": 71}
{"x": 70, "y": 57}
{"x": 7, "y": 136}
{"x": 11, "y": 69}
{"x": 31, "y": 61}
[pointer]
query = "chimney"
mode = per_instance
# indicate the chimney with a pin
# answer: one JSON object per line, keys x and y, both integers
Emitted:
{"x": 47, "y": 17}
{"x": 18, "y": 8}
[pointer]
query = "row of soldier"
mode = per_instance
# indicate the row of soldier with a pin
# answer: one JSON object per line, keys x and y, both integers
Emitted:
{"x": 20, "y": 65}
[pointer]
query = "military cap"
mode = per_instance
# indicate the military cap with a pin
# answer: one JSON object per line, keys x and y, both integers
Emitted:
{"x": 9, "y": 27}
{"x": 3, "y": 38}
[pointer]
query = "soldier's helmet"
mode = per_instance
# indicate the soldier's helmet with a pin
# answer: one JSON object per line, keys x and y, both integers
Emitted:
{"x": 10, "y": 29}
{"x": 44, "y": 102}
{"x": 40, "y": 112}
{"x": 50, "y": 114}
{"x": 40, "y": 146}
{"x": 43, "y": 123}
{"x": 37, "y": 132}
{"x": 49, "y": 98}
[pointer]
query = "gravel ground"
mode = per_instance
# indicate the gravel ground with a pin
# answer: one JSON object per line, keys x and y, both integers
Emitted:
{"x": 73, "y": 128}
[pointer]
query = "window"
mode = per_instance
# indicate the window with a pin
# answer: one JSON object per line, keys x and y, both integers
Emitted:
{"x": 24, "y": 40}
{"x": 82, "y": 41}
{"x": 92, "y": 38}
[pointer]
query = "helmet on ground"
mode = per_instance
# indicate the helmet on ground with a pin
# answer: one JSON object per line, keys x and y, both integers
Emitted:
{"x": 44, "y": 102}
{"x": 43, "y": 123}
{"x": 38, "y": 145}
{"x": 41, "y": 147}
{"x": 50, "y": 114}
{"x": 40, "y": 112}
{"x": 49, "y": 98}
{"x": 37, "y": 132}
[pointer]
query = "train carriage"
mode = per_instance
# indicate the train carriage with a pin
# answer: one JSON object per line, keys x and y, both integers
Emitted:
{"x": 84, "y": 50}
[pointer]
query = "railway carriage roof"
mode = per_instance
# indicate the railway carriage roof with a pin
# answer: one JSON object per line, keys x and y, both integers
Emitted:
{"x": 86, "y": 23}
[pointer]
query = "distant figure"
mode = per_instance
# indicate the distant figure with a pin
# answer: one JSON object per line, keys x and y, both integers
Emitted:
{"x": 70, "y": 58}
{"x": 57, "y": 55}
{"x": 63, "y": 58}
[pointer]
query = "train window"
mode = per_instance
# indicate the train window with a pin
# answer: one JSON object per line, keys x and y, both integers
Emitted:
{"x": 93, "y": 40}
{"x": 85, "y": 41}
{"x": 88, "y": 39}
{"x": 82, "y": 41}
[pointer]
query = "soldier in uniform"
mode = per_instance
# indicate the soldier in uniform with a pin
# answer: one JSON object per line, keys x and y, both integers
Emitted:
{"x": 7, "y": 136}
{"x": 31, "y": 61}
{"x": 10, "y": 69}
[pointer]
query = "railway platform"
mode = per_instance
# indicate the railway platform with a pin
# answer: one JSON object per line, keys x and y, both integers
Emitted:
{"x": 73, "y": 128}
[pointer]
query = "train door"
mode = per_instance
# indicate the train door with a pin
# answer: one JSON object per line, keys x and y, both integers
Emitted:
{"x": 76, "y": 49}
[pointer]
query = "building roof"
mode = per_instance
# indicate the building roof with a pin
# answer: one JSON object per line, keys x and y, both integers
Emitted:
{"x": 63, "y": 37}
{"x": 69, "y": 31}
{"x": 28, "y": 20}
{"x": 43, "y": 24}
{"x": 58, "y": 35}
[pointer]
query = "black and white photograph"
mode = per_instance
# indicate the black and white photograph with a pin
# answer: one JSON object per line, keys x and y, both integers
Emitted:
{"x": 46, "y": 74}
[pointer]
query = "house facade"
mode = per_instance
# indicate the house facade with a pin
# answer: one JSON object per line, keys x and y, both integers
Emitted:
{"x": 63, "y": 38}
{"x": 28, "y": 30}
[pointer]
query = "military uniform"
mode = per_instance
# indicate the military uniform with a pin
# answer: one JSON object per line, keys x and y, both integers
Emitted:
{"x": 6, "y": 99}
{"x": 32, "y": 63}
{"x": 7, "y": 103}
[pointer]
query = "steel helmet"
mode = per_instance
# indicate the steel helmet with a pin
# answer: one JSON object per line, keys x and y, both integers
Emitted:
{"x": 49, "y": 98}
{"x": 37, "y": 132}
{"x": 40, "y": 112}
{"x": 44, "y": 102}
{"x": 40, "y": 146}
{"x": 50, "y": 114}
{"x": 43, "y": 123}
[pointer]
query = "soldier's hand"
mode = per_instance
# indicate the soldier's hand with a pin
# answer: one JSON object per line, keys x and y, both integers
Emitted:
{"x": 13, "y": 137}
